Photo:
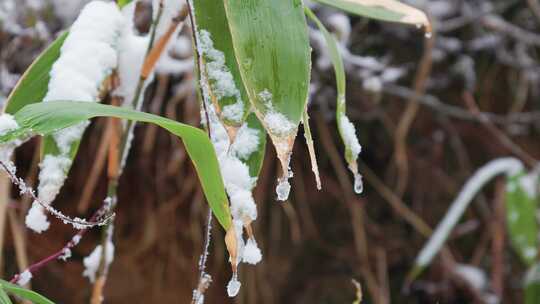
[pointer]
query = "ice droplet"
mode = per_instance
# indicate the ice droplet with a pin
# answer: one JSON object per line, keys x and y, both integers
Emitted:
{"x": 428, "y": 34}
{"x": 358, "y": 183}
{"x": 283, "y": 189}
{"x": 234, "y": 286}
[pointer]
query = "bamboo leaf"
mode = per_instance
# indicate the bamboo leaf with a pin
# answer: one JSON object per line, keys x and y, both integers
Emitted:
{"x": 24, "y": 293}
{"x": 46, "y": 118}
{"x": 346, "y": 128}
{"x": 122, "y": 3}
{"x": 32, "y": 86}
{"x": 271, "y": 45}
{"x": 256, "y": 158}
{"x": 521, "y": 218}
{"x": 532, "y": 284}
{"x": 386, "y": 10}
{"x": 219, "y": 63}
{"x": 4, "y": 298}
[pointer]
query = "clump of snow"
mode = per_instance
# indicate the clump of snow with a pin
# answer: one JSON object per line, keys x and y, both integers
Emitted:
{"x": 66, "y": 254}
{"x": 7, "y": 123}
{"x": 221, "y": 80}
{"x": 233, "y": 287}
{"x": 246, "y": 142}
{"x": 36, "y": 219}
{"x": 52, "y": 176}
{"x": 348, "y": 132}
{"x": 475, "y": 276}
{"x": 91, "y": 262}
{"x": 372, "y": 84}
{"x": 283, "y": 189}
{"x": 87, "y": 56}
{"x": 276, "y": 122}
{"x": 24, "y": 278}
{"x": 252, "y": 254}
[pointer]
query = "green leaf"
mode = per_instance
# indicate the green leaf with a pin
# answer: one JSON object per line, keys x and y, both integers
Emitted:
{"x": 271, "y": 44}
{"x": 33, "y": 85}
{"x": 386, "y": 10}
{"x": 24, "y": 293}
{"x": 215, "y": 44}
{"x": 532, "y": 285}
{"x": 122, "y": 3}
{"x": 256, "y": 158}
{"x": 46, "y": 118}
{"x": 4, "y": 298}
{"x": 521, "y": 219}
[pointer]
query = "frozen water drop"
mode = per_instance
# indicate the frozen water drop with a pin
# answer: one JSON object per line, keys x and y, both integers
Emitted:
{"x": 233, "y": 287}
{"x": 428, "y": 34}
{"x": 358, "y": 183}
{"x": 283, "y": 189}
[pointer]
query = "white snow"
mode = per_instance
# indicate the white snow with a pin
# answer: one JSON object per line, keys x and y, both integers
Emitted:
{"x": 533, "y": 275}
{"x": 509, "y": 166}
{"x": 348, "y": 132}
{"x": 276, "y": 122}
{"x": 66, "y": 254}
{"x": 233, "y": 287}
{"x": 252, "y": 254}
{"x": 52, "y": 176}
{"x": 246, "y": 142}
{"x": 24, "y": 278}
{"x": 36, "y": 219}
{"x": 372, "y": 84}
{"x": 529, "y": 184}
{"x": 475, "y": 276}
{"x": 91, "y": 262}
{"x": 220, "y": 78}
{"x": 283, "y": 189}
{"x": 7, "y": 123}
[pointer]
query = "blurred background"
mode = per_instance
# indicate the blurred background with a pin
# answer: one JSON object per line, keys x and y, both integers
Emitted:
{"x": 416, "y": 104}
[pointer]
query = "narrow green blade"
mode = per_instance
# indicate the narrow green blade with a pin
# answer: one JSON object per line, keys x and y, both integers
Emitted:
{"x": 4, "y": 298}
{"x": 46, "y": 118}
{"x": 33, "y": 85}
{"x": 24, "y": 293}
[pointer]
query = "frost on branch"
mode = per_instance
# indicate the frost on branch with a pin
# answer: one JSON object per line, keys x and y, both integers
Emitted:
{"x": 92, "y": 262}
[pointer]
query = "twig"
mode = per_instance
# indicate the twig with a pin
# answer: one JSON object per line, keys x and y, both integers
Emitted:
{"x": 72, "y": 243}
{"x": 452, "y": 111}
{"x": 204, "y": 278}
{"x": 501, "y": 137}
{"x": 75, "y": 222}
{"x": 400, "y": 139}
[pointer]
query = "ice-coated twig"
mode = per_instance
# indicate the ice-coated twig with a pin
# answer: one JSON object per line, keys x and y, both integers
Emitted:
{"x": 65, "y": 252}
{"x": 204, "y": 278}
{"x": 77, "y": 223}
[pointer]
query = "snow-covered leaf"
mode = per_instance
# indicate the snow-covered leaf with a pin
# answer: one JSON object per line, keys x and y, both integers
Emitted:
{"x": 346, "y": 129}
{"x": 271, "y": 45}
{"x": 46, "y": 118}
{"x": 386, "y": 10}
{"x": 32, "y": 86}
{"x": 24, "y": 293}
{"x": 219, "y": 65}
{"x": 521, "y": 217}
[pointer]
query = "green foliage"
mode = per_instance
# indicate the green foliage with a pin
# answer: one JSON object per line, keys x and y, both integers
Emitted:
{"x": 272, "y": 48}
{"x": 24, "y": 293}
{"x": 4, "y": 298}
{"x": 33, "y": 85}
{"x": 521, "y": 220}
{"x": 122, "y": 3}
{"x": 46, "y": 118}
